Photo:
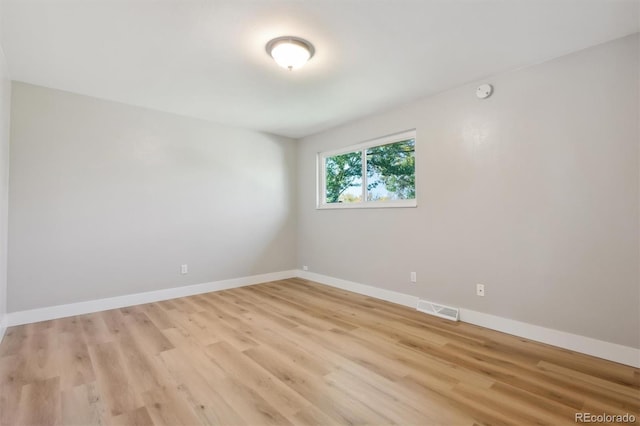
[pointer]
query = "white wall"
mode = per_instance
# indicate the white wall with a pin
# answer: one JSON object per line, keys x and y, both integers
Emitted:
{"x": 5, "y": 99}
{"x": 108, "y": 199}
{"x": 533, "y": 192}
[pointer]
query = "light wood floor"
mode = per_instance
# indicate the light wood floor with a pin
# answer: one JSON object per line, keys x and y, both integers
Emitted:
{"x": 294, "y": 352}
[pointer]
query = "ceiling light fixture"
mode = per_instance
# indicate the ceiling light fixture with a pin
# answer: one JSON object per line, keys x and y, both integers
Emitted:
{"x": 290, "y": 52}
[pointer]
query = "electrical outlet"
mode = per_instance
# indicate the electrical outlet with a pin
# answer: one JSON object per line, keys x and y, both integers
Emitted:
{"x": 479, "y": 289}
{"x": 305, "y": 268}
{"x": 184, "y": 269}
{"x": 413, "y": 277}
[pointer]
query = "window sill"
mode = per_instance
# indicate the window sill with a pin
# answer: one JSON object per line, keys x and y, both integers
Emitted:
{"x": 370, "y": 205}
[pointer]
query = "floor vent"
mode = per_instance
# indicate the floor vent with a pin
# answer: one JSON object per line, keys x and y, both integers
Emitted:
{"x": 438, "y": 310}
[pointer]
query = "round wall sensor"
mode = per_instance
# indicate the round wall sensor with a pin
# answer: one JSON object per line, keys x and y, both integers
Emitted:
{"x": 484, "y": 91}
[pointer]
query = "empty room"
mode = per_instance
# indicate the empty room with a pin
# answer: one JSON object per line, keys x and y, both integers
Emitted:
{"x": 316, "y": 212}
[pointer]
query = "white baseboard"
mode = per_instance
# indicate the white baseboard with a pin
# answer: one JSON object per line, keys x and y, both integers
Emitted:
{"x": 3, "y": 326}
{"x": 575, "y": 342}
{"x": 90, "y": 306}
{"x": 586, "y": 345}
{"x": 367, "y": 290}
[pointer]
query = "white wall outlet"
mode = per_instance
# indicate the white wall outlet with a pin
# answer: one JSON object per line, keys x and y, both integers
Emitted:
{"x": 184, "y": 269}
{"x": 413, "y": 278}
{"x": 479, "y": 289}
{"x": 305, "y": 268}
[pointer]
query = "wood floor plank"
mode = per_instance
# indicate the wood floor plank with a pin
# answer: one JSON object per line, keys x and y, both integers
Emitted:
{"x": 94, "y": 329}
{"x": 142, "y": 366}
{"x": 316, "y": 315}
{"x": 202, "y": 331}
{"x": 68, "y": 325}
{"x": 293, "y": 311}
{"x": 82, "y": 406}
{"x": 311, "y": 415}
{"x": 276, "y": 393}
{"x": 150, "y": 337}
{"x": 75, "y": 367}
{"x": 137, "y": 417}
{"x": 14, "y": 340}
{"x": 449, "y": 408}
{"x": 157, "y": 315}
{"x": 115, "y": 322}
{"x": 186, "y": 305}
{"x": 330, "y": 399}
{"x": 167, "y": 407}
{"x": 533, "y": 403}
{"x": 621, "y": 390}
{"x": 249, "y": 404}
{"x": 40, "y": 403}
{"x": 12, "y": 371}
{"x": 9, "y": 401}
{"x": 223, "y": 330}
{"x": 294, "y": 352}
{"x": 195, "y": 383}
{"x": 377, "y": 398}
{"x": 510, "y": 373}
{"x": 115, "y": 386}
{"x": 43, "y": 360}
{"x": 350, "y": 349}
{"x": 522, "y": 411}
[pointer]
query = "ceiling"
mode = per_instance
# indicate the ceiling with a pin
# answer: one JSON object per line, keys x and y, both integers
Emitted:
{"x": 206, "y": 58}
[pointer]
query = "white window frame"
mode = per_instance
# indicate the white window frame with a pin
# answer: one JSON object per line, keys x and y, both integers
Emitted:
{"x": 364, "y": 204}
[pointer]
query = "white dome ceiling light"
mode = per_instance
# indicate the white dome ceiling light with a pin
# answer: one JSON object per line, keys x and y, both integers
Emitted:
{"x": 290, "y": 52}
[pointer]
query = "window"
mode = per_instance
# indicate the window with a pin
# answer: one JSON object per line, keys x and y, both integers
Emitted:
{"x": 378, "y": 173}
